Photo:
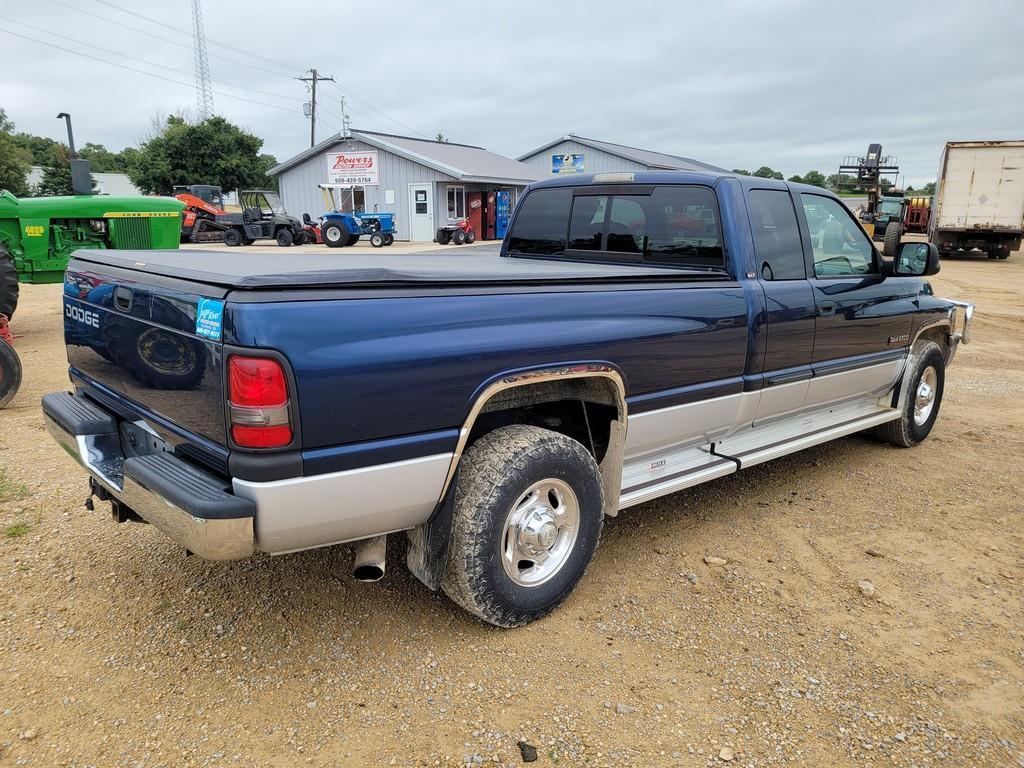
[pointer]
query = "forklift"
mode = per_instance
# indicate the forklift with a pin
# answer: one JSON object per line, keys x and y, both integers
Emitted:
{"x": 883, "y": 216}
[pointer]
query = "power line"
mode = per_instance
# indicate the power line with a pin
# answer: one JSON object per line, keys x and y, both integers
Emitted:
{"x": 361, "y": 100}
{"x": 163, "y": 39}
{"x": 148, "y": 63}
{"x": 140, "y": 71}
{"x": 282, "y": 64}
{"x": 181, "y": 31}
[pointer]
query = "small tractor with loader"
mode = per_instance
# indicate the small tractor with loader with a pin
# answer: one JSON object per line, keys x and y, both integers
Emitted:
{"x": 340, "y": 227}
{"x": 38, "y": 235}
{"x": 262, "y": 217}
{"x": 882, "y": 218}
{"x": 204, "y": 204}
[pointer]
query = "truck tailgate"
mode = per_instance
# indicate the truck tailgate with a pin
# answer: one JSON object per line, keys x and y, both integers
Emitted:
{"x": 152, "y": 340}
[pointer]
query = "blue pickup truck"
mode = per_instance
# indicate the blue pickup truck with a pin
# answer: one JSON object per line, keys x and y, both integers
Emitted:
{"x": 637, "y": 334}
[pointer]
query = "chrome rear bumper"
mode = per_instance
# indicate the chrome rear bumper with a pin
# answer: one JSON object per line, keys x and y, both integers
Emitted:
{"x": 189, "y": 505}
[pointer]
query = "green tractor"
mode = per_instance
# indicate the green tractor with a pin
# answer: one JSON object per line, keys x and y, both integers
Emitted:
{"x": 38, "y": 236}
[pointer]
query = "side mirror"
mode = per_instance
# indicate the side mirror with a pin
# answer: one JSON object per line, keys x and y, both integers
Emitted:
{"x": 916, "y": 260}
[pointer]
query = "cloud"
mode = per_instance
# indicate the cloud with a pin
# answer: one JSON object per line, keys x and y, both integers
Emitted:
{"x": 795, "y": 85}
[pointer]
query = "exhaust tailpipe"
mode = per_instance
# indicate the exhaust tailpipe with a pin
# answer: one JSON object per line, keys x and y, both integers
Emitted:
{"x": 371, "y": 559}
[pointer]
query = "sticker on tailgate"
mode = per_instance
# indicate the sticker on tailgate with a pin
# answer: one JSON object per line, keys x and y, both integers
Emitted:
{"x": 210, "y": 319}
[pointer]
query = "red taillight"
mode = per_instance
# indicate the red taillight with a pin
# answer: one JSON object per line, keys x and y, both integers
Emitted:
{"x": 258, "y": 402}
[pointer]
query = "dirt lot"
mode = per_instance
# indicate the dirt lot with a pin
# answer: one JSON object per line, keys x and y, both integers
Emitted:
{"x": 117, "y": 650}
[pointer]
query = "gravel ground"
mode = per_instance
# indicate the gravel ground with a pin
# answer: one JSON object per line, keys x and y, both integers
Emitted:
{"x": 117, "y": 650}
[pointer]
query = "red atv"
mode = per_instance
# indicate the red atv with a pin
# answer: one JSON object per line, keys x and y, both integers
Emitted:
{"x": 460, "y": 232}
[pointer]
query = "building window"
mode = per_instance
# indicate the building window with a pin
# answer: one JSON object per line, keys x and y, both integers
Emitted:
{"x": 456, "y": 202}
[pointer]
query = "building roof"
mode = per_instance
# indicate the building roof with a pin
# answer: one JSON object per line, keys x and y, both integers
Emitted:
{"x": 464, "y": 162}
{"x": 654, "y": 160}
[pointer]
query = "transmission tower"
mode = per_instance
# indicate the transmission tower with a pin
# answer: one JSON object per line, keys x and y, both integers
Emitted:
{"x": 204, "y": 86}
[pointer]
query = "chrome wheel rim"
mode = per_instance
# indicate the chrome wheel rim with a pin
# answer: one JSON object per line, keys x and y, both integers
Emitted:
{"x": 540, "y": 532}
{"x": 924, "y": 399}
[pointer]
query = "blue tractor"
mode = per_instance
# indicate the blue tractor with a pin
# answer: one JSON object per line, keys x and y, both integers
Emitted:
{"x": 340, "y": 227}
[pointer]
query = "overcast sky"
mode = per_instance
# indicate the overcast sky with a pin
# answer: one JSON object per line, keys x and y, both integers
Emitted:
{"x": 794, "y": 85}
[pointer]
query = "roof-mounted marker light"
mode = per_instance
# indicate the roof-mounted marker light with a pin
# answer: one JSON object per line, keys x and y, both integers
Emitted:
{"x": 612, "y": 178}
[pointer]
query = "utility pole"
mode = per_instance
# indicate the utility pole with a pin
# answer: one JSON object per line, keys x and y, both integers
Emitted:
{"x": 313, "y": 79}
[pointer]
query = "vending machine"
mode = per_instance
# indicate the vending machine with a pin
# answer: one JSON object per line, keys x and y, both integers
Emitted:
{"x": 503, "y": 212}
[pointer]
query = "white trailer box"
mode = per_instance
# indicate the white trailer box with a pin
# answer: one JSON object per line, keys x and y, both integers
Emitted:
{"x": 979, "y": 198}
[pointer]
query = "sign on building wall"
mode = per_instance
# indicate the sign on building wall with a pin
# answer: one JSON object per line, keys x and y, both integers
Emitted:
{"x": 353, "y": 168}
{"x": 567, "y": 163}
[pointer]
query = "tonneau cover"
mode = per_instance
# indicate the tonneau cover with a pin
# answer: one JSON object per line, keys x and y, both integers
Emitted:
{"x": 247, "y": 268}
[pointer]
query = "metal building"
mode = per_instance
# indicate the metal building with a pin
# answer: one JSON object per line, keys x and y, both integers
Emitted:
{"x": 426, "y": 184}
{"x": 578, "y": 154}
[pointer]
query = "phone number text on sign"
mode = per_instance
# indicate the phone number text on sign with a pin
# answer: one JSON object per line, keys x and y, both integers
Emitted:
{"x": 353, "y": 168}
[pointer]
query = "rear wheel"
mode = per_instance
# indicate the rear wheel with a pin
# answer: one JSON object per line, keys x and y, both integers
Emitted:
{"x": 921, "y": 409}
{"x": 8, "y": 284}
{"x": 10, "y": 373}
{"x": 284, "y": 238}
{"x": 334, "y": 236}
{"x": 233, "y": 237}
{"x": 528, "y": 516}
{"x": 891, "y": 243}
{"x": 443, "y": 237}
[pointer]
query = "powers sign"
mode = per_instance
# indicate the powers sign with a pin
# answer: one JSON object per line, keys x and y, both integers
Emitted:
{"x": 353, "y": 168}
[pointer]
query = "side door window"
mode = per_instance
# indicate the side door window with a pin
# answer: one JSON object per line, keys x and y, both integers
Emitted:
{"x": 776, "y": 233}
{"x": 839, "y": 245}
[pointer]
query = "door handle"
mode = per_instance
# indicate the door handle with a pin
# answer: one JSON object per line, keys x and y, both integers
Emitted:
{"x": 827, "y": 308}
{"x": 123, "y": 298}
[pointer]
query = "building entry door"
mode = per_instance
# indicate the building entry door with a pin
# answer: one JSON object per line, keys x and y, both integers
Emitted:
{"x": 475, "y": 204}
{"x": 421, "y": 213}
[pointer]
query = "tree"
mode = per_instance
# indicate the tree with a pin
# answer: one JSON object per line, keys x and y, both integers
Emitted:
{"x": 741, "y": 171}
{"x": 928, "y": 189}
{"x": 42, "y": 151}
{"x": 57, "y": 177}
{"x": 816, "y": 178}
{"x": 796, "y": 179}
{"x": 441, "y": 138}
{"x": 101, "y": 159}
{"x": 765, "y": 172}
{"x": 212, "y": 151}
{"x": 14, "y": 160}
{"x": 841, "y": 182}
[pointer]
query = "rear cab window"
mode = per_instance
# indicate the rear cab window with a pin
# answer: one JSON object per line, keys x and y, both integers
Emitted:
{"x": 663, "y": 225}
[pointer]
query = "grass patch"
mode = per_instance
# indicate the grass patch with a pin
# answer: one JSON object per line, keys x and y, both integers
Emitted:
{"x": 11, "y": 490}
{"x": 16, "y": 530}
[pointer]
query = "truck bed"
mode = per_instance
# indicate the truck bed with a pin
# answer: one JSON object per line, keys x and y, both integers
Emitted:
{"x": 248, "y": 269}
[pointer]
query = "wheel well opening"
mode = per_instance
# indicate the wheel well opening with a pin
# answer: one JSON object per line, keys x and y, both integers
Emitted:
{"x": 583, "y": 409}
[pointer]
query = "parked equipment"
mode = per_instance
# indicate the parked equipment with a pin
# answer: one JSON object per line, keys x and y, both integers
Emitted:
{"x": 263, "y": 217}
{"x": 343, "y": 225}
{"x": 312, "y": 229}
{"x": 882, "y": 224}
{"x": 979, "y": 199}
{"x": 38, "y": 235}
{"x": 203, "y": 218}
{"x": 10, "y": 364}
{"x": 918, "y": 212}
{"x": 458, "y": 233}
